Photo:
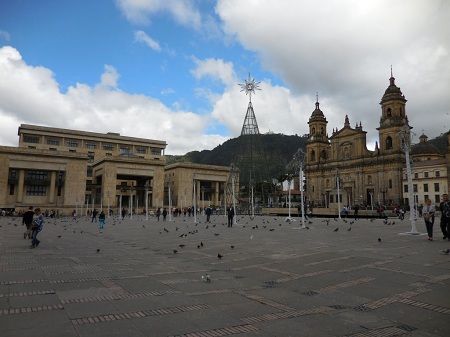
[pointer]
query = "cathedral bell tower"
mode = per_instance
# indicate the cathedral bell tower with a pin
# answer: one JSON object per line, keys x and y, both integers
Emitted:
{"x": 317, "y": 145}
{"x": 393, "y": 118}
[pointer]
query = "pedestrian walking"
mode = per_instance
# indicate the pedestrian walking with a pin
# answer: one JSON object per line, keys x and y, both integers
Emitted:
{"x": 428, "y": 216}
{"x": 94, "y": 215}
{"x": 444, "y": 207}
{"x": 230, "y": 213}
{"x": 208, "y": 212}
{"x": 158, "y": 213}
{"x": 27, "y": 220}
{"x": 38, "y": 224}
{"x": 101, "y": 220}
{"x": 164, "y": 214}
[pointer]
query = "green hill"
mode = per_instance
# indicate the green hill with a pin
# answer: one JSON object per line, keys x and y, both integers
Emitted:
{"x": 271, "y": 153}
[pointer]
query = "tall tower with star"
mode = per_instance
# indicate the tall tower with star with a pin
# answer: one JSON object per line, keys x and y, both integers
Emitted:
{"x": 250, "y": 126}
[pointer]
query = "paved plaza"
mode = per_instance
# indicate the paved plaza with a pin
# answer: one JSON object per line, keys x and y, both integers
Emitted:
{"x": 149, "y": 278}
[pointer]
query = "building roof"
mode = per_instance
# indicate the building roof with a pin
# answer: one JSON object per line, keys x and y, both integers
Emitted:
{"x": 424, "y": 147}
{"x": 196, "y": 166}
{"x": 110, "y": 135}
{"x": 317, "y": 114}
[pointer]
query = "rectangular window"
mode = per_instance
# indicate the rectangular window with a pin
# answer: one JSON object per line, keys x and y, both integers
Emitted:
{"x": 91, "y": 145}
{"x": 11, "y": 189}
{"x": 108, "y": 154}
{"x": 71, "y": 143}
{"x": 37, "y": 175}
{"x": 36, "y": 190}
{"x": 108, "y": 147}
{"x": 31, "y": 139}
{"x": 415, "y": 188}
{"x": 425, "y": 187}
{"x": 141, "y": 149}
{"x": 437, "y": 199}
{"x": 124, "y": 149}
{"x": 90, "y": 157}
{"x": 89, "y": 171}
{"x": 53, "y": 141}
{"x": 331, "y": 199}
{"x": 72, "y": 150}
{"x": 32, "y": 147}
{"x": 155, "y": 151}
{"x": 438, "y": 174}
{"x": 436, "y": 187}
{"x": 52, "y": 149}
{"x": 390, "y": 183}
{"x": 425, "y": 197}
{"x": 425, "y": 174}
{"x": 416, "y": 175}
{"x": 405, "y": 188}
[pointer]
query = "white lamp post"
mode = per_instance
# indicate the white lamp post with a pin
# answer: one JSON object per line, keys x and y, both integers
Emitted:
{"x": 233, "y": 172}
{"x": 405, "y": 138}
{"x": 338, "y": 194}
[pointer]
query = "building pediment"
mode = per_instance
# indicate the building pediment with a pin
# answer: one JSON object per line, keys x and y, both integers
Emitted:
{"x": 346, "y": 132}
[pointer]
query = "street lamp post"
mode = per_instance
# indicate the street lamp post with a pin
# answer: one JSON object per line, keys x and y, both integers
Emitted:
{"x": 146, "y": 200}
{"x": 338, "y": 194}
{"x": 170, "y": 201}
{"x": 195, "y": 202}
{"x": 300, "y": 157}
{"x": 289, "y": 179}
{"x": 405, "y": 138}
{"x": 233, "y": 172}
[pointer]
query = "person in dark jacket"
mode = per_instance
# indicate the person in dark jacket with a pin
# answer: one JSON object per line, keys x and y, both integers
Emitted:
{"x": 208, "y": 212}
{"x": 164, "y": 214}
{"x": 38, "y": 224}
{"x": 230, "y": 213}
{"x": 27, "y": 220}
{"x": 444, "y": 207}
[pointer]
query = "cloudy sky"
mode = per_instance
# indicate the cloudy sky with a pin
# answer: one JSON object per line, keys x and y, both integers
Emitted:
{"x": 169, "y": 69}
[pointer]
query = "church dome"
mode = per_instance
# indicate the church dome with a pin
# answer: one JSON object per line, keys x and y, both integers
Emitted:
{"x": 317, "y": 114}
{"x": 424, "y": 147}
{"x": 392, "y": 93}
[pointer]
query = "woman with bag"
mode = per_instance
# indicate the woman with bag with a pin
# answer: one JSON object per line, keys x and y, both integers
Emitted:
{"x": 428, "y": 216}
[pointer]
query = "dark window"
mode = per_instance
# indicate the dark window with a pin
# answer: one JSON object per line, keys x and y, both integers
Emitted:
{"x": 438, "y": 174}
{"x": 389, "y": 112}
{"x": 37, "y": 175}
{"x": 11, "y": 189}
{"x": 323, "y": 154}
{"x": 32, "y": 147}
{"x": 416, "y": 175}
{"x": 72, "y": 150}
{"x": 390, "y": 183}
{"x": 59, "y": 190}
{"x": 425, "y": 174}
{"x": 31, "y": 139}
{"x": 425, "y": 197}
{"x": 156, "y": 151}
{"x": 53, "y": 141}
{"x": 89, "y": 171}
{"x": 415, "y": 188}
{"x": 90, "y": 157}
{"x": 124, "y": 149}
{"x": 36, "y": 190}
{"x": 71, "y": 143}
{"x": 437, "y": 199}
{"x": 91, "y": 146}
{"x": 425, "y": 187}
{"x": 141, "y": 149}
{"x": 331, "y": 198}
{"x": 405, "y": 188}
{"x": 388, "y": 143}
{"x": 313, "y": 155}
{"x": 108, "y": 147}
{"x": 52, "y": 149}
{"x": 108, "y": 154}
{"x": 436, "y": 187}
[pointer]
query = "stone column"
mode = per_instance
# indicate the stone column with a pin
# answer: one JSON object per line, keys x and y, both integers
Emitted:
{"x": 20, "y": 185}
{"x": 199, "y": 193}
{"x": 52, "y": 187}
{"x": 216, "y": 194}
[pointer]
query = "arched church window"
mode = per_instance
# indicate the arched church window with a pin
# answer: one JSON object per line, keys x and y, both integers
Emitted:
{"x": 388, "y": 143}
{"x": 313, "y": 155}
{"x": 389, "y": 112}
{"x": 323, "y": 154}
{"x": 321, "y": 130}
{"x": 313, "y": 131}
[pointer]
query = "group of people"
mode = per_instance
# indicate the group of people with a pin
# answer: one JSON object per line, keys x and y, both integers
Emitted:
{"x": 428, "y": 214}
{"x": 34, "y": 222}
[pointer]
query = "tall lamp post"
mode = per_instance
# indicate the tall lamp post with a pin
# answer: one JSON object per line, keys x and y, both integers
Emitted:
{"x": 338, "y": 193}
{"x": 405, "y": 138}
{"x": 300, "y": 157}
{"x": 233, "y": 175}
{"x": 289, "y": 180}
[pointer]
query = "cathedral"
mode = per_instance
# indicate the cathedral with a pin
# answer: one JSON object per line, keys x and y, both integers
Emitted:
{"x": 365, "y": 177}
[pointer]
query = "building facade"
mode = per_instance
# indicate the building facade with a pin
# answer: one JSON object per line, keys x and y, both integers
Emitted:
{"x": 365, "y": 177}
{"x": 429, "y": 173}
{"x": 63, "y": 170}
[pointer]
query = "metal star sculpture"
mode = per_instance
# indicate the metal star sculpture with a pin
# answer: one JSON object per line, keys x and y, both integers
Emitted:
{"x": 249, "y": 86}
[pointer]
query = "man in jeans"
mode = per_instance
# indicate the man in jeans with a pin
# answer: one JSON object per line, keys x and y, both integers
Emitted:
{"x": 444, "y": 207}
{"x": 27, "y": 220}
{"x": 38, "y": 223}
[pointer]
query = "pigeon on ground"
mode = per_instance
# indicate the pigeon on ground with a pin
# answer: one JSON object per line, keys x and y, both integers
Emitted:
{"x": 446, "y": 251}
{"x": 216, "y": 234}
{"x": 219, "y": 256}
{"x": 336, "y": 229}
{"x": 98, "y": 250}
{"x": 271, "y": 230}
{"x": 166, "y": 230}
{"x": 232, "y": 247}
{"x": 349, "y": 229}
{"x": 181, "y": 246}
{"x": 175, "y": 251}
{"x": 59, "y": 236}
{"x": 379, "y": 239}
{"x": 201, "y": 243}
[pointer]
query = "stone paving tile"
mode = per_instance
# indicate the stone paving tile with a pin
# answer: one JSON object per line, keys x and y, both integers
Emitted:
{"x": 289, "y": 282}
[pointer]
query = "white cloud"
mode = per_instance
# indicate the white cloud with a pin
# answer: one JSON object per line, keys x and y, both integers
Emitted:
{"x": 141, "y": 36}
{"x": 214, "y": 68}
{"x": 344, "y": 49}
{"x": 31, "y": 94}
{"x": 4, "y": 35}
{"x": 140, "y": 11}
